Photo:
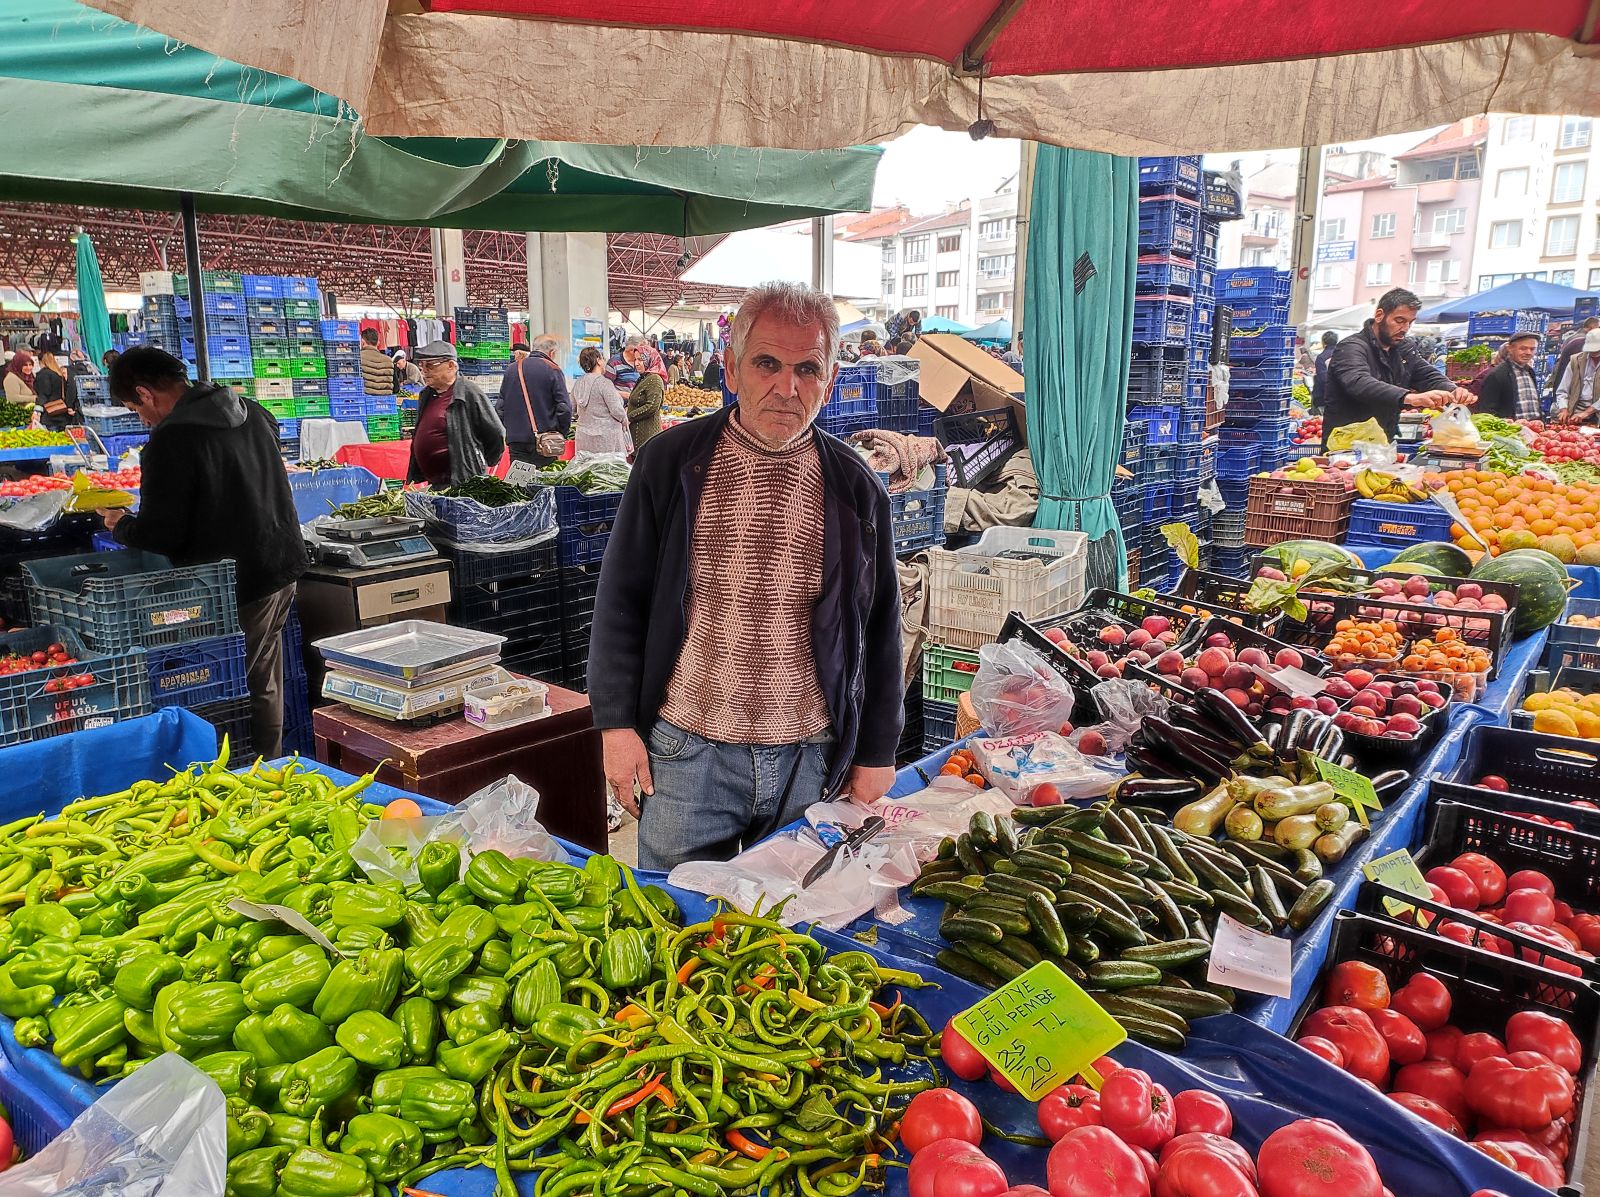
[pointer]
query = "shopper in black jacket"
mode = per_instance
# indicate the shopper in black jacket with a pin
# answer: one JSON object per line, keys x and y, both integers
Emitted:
{"x": 533, "y": 399}
{"x": 1374, "y": 373}
{"x": 214, "y": 488}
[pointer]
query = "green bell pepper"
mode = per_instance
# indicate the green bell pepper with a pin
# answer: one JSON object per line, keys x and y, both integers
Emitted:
{"x": 251, "y": 1036}
{"x": 471, "y": 988}
{"x": 472, "y": 924}
{"x": 255, "y": 1173}
{"x": 136, "y": 982}
{"x": 287, "y": 1129}
{"x": 87, "y": 1032}
{"x": 539, "y": 986}
{"x": 292, "y": 1034}
{"x": 495, "y": 958}
{"x": 476, "y": 1060}
{"x": 383, "y": 1095}
{"x": 572, "y": 960}
{"x": 110, "y": 919}
{"x": 344, "y": 827}
{"x": 562, "y": 885}
{"x": 359, "y": 937}
{"x": 247, "y": 1126}
{"x": 313, "y": 901}
{"x": 32, "y": 1031}
{"x": 19, "y": 1001}
{"x": 441, "y": 1105}
{"x": 665, "y": 904}
{"x": 295, "y": 979}
{"x": 313, "y": 1173}
{"x": 46, "y": 963}
{"x": 472, "y": 1021}
{"x": 452, "y": 896}
{"x": 335, "y": 866}
{"x": 193, "y": 1019}
{"x": 234, "y": 1072}
{"x": 365, "y": 905}
{"x": 44, "y": 921}
{"x": 321, "y": 1079}
{"x": 373, "y": 1040}
{"x": 433, "y": 965}
{"x": 439, "y": 865}
{"x": 140, "y": 1026}
{"x": 272, "y": 947}
{"x": 209, "y": 961}
{"x": 270, "y": 1080}
{"x": 418, "y": 1020}
{"x": 603, "y": 876}
{"x": 563, "y": 1025}
{"x": 625, "y": 959}
{"x": 389, "y": 1146}
{"x": 309, "y": 819}
{"x": 494, "y": 877}
{"x": 589, "y": 920}
{"x": 421, "y": 923}
{"x": 368, "y": 982}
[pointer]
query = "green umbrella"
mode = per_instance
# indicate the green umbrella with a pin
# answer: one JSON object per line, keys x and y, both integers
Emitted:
{"x": 94, "y": 323}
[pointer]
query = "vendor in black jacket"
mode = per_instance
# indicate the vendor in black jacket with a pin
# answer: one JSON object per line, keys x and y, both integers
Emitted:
{"x": 1374, "y": 373}
{"x": 744, "y": 661}
{"x": 214, "y": 488}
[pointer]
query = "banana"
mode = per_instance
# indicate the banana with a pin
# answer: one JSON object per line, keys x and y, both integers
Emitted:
{"x": 1364, "y": 483}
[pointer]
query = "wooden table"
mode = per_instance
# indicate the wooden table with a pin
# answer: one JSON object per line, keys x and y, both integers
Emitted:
{"x": 558, "y": 755}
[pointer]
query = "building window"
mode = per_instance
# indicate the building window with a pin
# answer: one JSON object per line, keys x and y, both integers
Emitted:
{"x": 1561, "y": 236}
{"x": 1510, "y": 184}
{"x": 997, "y": 230}
{"x": 1327, "y": 276}
{"x": 949, "y": 243}
{"x": 1569, "y": 183}
{"x": 994, "y": 301}
{"x": 1518, "y": 128}
{"x": 1379, "y": 274}
{"x": 949, "y": 278}
{"x": 1594, "y": 278}
{"x": 888, "y": 286}
{"x": 1564, "y": 278}
{"x": 1505, "y": 234}
{"x": 998, "y": 266}
{"x": 1383, "y": 225}
{"x": 1574, "y": 133}
{"x": 1440, "y": 271}
{"x": 888, "y": 251}
{"x": 1449, "y": 221}
{"x": 916, "y": 284}
{"x": 948, "y": 311}
{"x": 1331, "y": 229}
{"x": 1467, "y": 167}
{"x": 916, "y": 250}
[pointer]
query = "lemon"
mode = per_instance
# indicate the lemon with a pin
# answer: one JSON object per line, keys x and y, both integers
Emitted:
{"x": 1555, "y": 723}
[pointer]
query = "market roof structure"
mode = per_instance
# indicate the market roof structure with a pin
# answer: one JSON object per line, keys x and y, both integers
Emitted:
{"x": 1153, "y": 77}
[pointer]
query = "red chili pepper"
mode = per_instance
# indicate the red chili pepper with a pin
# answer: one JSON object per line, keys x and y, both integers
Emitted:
{"x": 747, "y": 1147}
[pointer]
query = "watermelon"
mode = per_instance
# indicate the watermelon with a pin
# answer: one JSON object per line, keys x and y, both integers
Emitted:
{"x": 1424, "y": 569}
{"x": 1541, "y": 584}
{"x": 1289, "y": 551}
{"x": 1448, "y": 560}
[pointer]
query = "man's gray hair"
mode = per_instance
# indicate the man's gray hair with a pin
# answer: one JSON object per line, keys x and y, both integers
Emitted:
{"x": 793, "y": 303}
{"x": 546, "y": 345}
{"x": 635, "y": 341}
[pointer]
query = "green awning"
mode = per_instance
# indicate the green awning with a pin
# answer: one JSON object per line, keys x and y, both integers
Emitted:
{"x": 128, "y": 118}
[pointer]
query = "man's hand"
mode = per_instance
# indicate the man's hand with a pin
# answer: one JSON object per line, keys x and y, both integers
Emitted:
{"x": 627, "y": 763}
{"x": 1463, "y": 396}
{"x": 866, "y": 784}
{"x": 1427, "y": 399}
{"x": 112, "y": 516}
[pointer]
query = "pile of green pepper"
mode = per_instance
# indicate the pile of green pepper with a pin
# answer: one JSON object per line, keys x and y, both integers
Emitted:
{"x": 512, "y": 1014}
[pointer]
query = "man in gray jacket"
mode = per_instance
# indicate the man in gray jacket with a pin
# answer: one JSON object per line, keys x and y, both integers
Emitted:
{"x": 458, "y": 435}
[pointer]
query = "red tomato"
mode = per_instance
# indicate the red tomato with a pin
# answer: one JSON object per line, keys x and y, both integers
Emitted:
{"x": 936, "y": 1114}
{"x": 1218, "y": 1143}
{"x": 1202, "y": 1110}
{"x": 1404, "y": 1037}
{"x": 1326, "y": 1048}
{"x": 1530, "y": 879}
{"x": 1104, "y": 1067}
{"x": 1366, "y": 1055}
{"x": 1137, "y": 1110}
{"x": 1441, "y": 1083}
{"x": 1529, "y": 906}
{"x": 1442, "y": 1043}
{"x": 959, "y": 1056}
{"x": 1480, "y": 1045}
{"x": 1313, "y": 1157}
{"x": 1429, "y": 1111}
{"x": 1461, "y": 933}
{"x": 1489, "y": 877}
{"x": 1535, "y": 1031}
{"x": 1522, "y": 1092}
{"x": 1026, "y": 1191}
{"x": 1425, "y": 1000}
{"x": 1356, "y": 983}
{"x": 1000, "y": 1082}
{"x": 1551, "y": 936}
{"x": 1066, "y": 1108}
{"x": 1093, "y": 1162}
{"x": 940, "y": 1159}
{"x": 1523, "y": 1158}
{"x": 1587, "y": 928}
{"x": 1151, "y": 1168}
{"x": 1206, "y": 1166}
{"x": 1461, "y": 888}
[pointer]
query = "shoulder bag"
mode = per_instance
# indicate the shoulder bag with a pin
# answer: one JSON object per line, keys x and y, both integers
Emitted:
{"x": 546, "y": 444}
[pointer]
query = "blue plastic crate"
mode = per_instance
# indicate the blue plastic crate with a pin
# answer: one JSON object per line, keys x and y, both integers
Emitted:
{"x": 917, "y": 516}
{"x": 1157, "y": 502}
{"x": 220, "y": 346}
{"x": 1134, "y": 434}
{"x": 1169, "y": 226}
{"x": 344, "y": 351}
{"x": 585, "y": 522}
{"x": 1504, "y": 323}
{"x": 1252, "y": 282}
{"x": 1127, "y": 496}
{"x": 1162, "y": 275}
{"x": 1585, "y": 306}
{"x": 227, "y": 366}
{"x": 1372, "y": 522}
{"x": 1265, "y": 405}
{"x": 258, "y": 308}
{"x": 1197, "y": 461}
{"x": 122, "y": 423}
{"x": 124, "y": 442}
{"x": 93, "y": 388}
{"x": 1210, "y": 240}
{"x": 1237, "y": 461}
{"x": 898, "y": 415}
{"x": 1161, "y": 423}
{"x": 1254, "y": 314}
{"x": 341, "y": 330}
{"x": 1158, "y": 465}
{"x": 926, "y": 415}
{"x": 289, "y": 430}
{"x": 1268, "y": 343}
{"x": 383, "y": 405}
{"x": 1191, "y": 424}
{"x": 345, "y": 408}
{"x": 1161, "y": 320}
{"x": 1271, "y": 374}
{"x": 1157, "y": 380}
{"x": 853, "y": 405}
{"x": 262, "y": 286}
{"x": 199, "y": 672}
{"x": 938, "y": 725}
{"x": 1235, "y": 493}
{"x": 1254, "y": 432}
{"x": 132, "y": 599}
{"x": 237, "y": 326}
{"x": 1202, "y": 320}
{"x": 1196, "y": 390}
{"x": 1181, "y": 173}
{"x": 309, "y": 388}
{"x": 342, "y": 388}
{"x": 36, "y": 1119}
{"x": 1205, "y": 278}
{"x": 298, "y": 287}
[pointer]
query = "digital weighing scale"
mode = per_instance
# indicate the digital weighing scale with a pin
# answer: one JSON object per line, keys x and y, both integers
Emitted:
{"x": 365, "y": 544}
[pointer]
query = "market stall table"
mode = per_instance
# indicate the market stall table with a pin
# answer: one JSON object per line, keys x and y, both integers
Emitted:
{"x": 559, "y": 756}
{"x": 391, "y": 459}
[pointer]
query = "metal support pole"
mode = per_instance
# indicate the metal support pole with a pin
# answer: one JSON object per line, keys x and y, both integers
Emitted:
{"x": 822, "y": 254}
{"x": 197, "y": 301}
{"x": 1030, "y": 159}
{"x": 1308, "y": 191}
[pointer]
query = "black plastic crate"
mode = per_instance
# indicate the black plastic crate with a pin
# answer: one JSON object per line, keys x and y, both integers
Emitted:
{"x": 578, "y": 586}
{"x": 474, "y": 569}
{"x": 536, "y": 655}
{"x": 1485, "y": 991}
{"x": 979, "y": 443}
{"x": 508, "y": 608}
{"x": 1223, "y": 595}
{"x": 1534, "y": 764}
{"x": 585, "y": 522}
{"x": 1082, "y": 628}
{"x": 231, "y": 719}
{"x": 938, "y": 725}
{"x": 133, "y": 599}
{"x": 1570, "y": 859}
{"x": 198, "y": 673}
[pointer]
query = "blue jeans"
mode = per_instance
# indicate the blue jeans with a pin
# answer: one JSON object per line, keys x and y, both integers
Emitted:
{"x": 713, "y": 799}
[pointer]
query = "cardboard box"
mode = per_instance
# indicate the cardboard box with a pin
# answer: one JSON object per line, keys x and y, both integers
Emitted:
{"x": 957, "y": 377}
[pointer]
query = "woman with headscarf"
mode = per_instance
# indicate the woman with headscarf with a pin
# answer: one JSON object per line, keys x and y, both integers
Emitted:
{"x": 57, "y": 408}
{"x": 19, "y": 379}
{"x": 644, "y": 401}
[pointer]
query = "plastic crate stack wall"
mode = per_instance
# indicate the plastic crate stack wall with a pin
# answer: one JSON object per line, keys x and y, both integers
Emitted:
{"x": 483, "y": 341}
{"x": 289, "y": 368}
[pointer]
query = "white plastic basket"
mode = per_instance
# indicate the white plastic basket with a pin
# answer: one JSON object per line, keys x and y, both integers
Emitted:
{"x": 971, "y": 591}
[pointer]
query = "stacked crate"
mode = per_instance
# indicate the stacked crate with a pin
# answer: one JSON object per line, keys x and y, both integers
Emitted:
{"x": 288, "y": 363}
{"x": 297, "y": 735}
{"x": 1172, "y": 323}
{"x": 347, "y": 393}
{"x": 483, "y": 343}
{"x": 227, "y": 329}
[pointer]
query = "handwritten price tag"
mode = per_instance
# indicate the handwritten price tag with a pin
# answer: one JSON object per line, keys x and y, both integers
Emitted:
{"x": 1244, "y": 958}
{"x": 1397, "y": 871}
{"x": 1039, "y": 1030}
{"x": 1353, "y": 787}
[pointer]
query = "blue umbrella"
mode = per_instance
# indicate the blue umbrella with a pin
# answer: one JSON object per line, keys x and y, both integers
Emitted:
{"x": 94, "y": 323}
{"x": 942, "y": 324}
{"x": 1519, "y": 295}
{"x": 995, "y": 330}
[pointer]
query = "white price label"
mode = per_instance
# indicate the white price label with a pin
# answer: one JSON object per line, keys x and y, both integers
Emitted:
{"x": 1242, "y": 958}
{"x": 267, "y": 912}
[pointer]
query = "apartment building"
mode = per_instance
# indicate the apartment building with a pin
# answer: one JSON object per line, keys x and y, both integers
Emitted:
{"x": 1264, "y": 236}
{"x": 995, "y": 241}
{"x": 1540, "y": 213}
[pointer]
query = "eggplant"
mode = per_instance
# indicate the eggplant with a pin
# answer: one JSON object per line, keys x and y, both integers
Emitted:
{"x": 1297, "y": 729}
{"x": 1346, "y": 761}
{"x": 1205, "y": 731}
{"x": 1241, "y": 728}
{"x": 1151, "y": 764}
{"x": 1274, "y": 736}
{"x": 1162, "y": 790}
{"x": 1332, "y": 745}
{"x": 1183, "y": 746}
{"x": 1392, "y": 782}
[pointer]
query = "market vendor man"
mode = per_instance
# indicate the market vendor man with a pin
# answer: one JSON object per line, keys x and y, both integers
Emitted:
{"x": 213, "y": 487}
{"x": 1374, "y": 373}
{"x": 744, "y": 661}
{"x": 458, "y": 434}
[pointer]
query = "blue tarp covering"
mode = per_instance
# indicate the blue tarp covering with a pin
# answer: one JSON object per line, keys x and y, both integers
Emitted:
{"x": 1519, "y": 295}
{"x": 48, "y": 774}
{"x": 317, "y": 492}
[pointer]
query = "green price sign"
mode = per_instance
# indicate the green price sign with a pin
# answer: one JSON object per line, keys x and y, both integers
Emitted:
{"x": 1040, "y": 1030}
{"x": 1353, "y": 787}
{"x": 1399, "y": 872}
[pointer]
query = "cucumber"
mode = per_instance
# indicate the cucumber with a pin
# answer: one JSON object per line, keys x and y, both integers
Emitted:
{"x": 1090, "y": 848}
{"x": 1147, "y": 864}
{"x": 1307, "y": 866}
{"x": 1190, "y": 1003}
{"x": 1020, "y": 950}
{"x": 993, "y": 959}
{"x": 1119, "y": 1005}
{"x": 1116, "y": 831}
{"x": 959, "y": 965}
{"x": 1242, "y": 909}
{"x": 931, "y": 876}
{"x": 963, "y": 928}
{"x": 1083, "y": 949}
{"x": 1173, "y": 954}
{"x": 1214, "y": 879}
{"x": 1210, "y": 851}
{"x": 1185, "y": 894}
{"x": 1019, "y": 886}
{"x": 1198, "y": 929}
{"x": 1168, "y": 914}
{"x": 982, "y": 830}
{"x": 1266, "y": 897}
{"x": 1125, "y": 885}
{"x": 967, "y": 854}
{"x": 1004, "y": 866}
{"x": 956, "y": 892}
{"x": 1080, "y": 887}
{"x": 1077, "y": 916}
{"x": 1143, "y": 839}
{"x": 1152, "y": 1034}
{"x": 1041, "y": 862}
{"x": 1252, "y": 859}
{"x": 1050, "y": 881}
{"x": 991, "y": 857}
{"x": 994, "y": 897}
{"x": 1122, "y": 930}
{"x": 1169, "y": 855}
{"x": 1047, "y": 924}
{"x": 1123, "y": 974}
{"x": 1309, "y": 904}
{"x": 1005, "y": 836}
{"x": 1075, "y": 817}
{"x": 1009, "y": 921}
{"x": 947, "y": 848}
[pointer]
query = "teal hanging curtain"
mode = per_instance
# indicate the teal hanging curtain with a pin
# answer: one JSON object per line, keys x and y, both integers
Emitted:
{"x": 94, "y": 324}
{"x": 1083, "y": 245}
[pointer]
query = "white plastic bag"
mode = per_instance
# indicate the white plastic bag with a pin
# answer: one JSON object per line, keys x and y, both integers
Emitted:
{"x": 1123, "y": 706}
{"x": 917, "y": 821}
{"x": 1454, "y": 432}
{"x": 36, "y": 512}
{"x": 1017, "y": 693}
{"x": 162, "y": 1132}
{"x": 1018, "y": 765}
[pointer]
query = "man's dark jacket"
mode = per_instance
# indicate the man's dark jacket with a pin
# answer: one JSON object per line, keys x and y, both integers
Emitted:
{"x": 1498, "y": 394}
{"x": 639, "y": 611}
{"x": 1369, "y": 382}
{"x": 214, "y": 487}
{"x": 547, "y": 395}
